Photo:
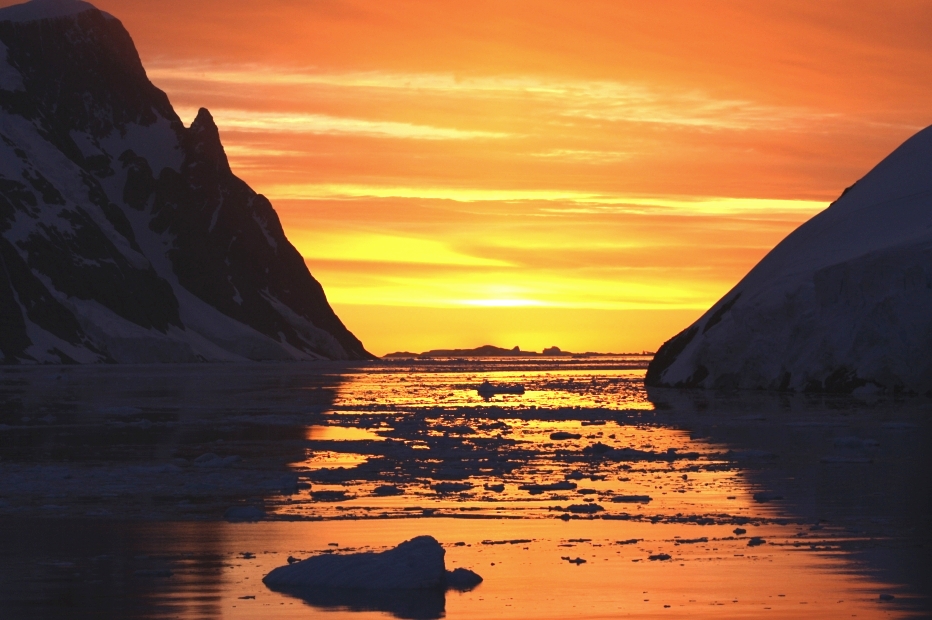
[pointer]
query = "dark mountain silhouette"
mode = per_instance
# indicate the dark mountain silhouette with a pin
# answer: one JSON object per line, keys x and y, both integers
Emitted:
{"x": 124, "y": 236}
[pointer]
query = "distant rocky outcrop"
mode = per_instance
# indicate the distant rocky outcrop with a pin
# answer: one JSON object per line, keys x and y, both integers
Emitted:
{"x": 843, "y": 304}
{"x": 489, "y": 350}
{"x": 125, "y": 236}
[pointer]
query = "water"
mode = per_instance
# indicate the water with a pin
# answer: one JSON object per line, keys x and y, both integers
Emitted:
{"x": 114, "y": 483}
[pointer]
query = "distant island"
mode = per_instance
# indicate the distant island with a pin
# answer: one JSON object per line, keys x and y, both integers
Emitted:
{"x": 489, "y": 350}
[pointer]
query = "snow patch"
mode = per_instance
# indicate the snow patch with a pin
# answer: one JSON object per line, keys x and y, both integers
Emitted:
{"x": 263, "y": 226}
{"x": 318, "y": 338}
{"x": 86, "y": 143}
{"x": 10, "y": 78}
{"x": 157, "y": 143}
{"x": 44, "y": 344}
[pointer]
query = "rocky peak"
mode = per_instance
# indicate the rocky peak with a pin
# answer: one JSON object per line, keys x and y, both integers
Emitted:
{"x": 204, "y": 141}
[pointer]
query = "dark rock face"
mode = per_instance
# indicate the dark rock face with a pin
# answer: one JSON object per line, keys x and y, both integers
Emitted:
{"x": 125, "y": 236}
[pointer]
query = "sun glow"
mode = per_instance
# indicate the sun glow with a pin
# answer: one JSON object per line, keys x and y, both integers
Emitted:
{"x": 596, "y": 202}
{"x": 601, "y": 175}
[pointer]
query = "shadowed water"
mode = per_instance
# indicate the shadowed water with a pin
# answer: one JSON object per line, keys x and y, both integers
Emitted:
{"x": 115, "y": 483}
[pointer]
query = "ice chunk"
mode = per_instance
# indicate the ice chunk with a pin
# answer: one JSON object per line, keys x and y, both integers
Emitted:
{"x": 243, "y": 513}
{"x": 386, "y": 490}
{"x": 765, "y": 496}
{"x": 462, "y": 579}
{"x": 415, "y": 564}
{"x": 212, "y": 460}
{"x": 452, "y": 487}
{"x": 490, "y": 389}
{"x": 536, "y": 489}
{"x": 633, "y": 499}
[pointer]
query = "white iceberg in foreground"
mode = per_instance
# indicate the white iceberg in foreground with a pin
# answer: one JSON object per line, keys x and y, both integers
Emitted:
{"x": 844, "y": 302}
{"x": 415, "y": 564}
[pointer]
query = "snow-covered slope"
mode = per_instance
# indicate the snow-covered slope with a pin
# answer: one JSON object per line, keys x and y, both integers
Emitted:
{"x": 125, "y": 236}
{"x": 843, "y": 303}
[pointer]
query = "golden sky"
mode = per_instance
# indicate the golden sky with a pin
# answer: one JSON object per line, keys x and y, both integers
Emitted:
{"x": 585, "y": 174}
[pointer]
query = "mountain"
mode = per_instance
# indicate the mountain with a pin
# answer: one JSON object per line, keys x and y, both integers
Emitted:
{"x": 844, "y": 303}
{"x": 124, "y": 235}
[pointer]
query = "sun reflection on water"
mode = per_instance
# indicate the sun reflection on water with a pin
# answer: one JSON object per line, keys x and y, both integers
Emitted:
{"x": 580, "y": 498}
{"x": 416, "y": 437}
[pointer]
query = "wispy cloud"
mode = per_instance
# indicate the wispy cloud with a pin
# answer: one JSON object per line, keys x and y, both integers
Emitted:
{"x": 322, "y": 124}
{"x": 536, "y": 289}
{"x": 375, "y": 247}
{"x": 585, "y": 156}
{"x": 596, "y": 100}
{"x": 574, "y": 201}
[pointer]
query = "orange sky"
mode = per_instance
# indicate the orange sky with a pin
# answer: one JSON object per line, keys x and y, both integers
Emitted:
{"x": 591, "y": 175}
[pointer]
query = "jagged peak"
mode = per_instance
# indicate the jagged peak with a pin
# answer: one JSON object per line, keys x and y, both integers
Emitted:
{"x": 204, "y": 121}
{"x": 46, "y": 9}
{"x": 206, "y": 138}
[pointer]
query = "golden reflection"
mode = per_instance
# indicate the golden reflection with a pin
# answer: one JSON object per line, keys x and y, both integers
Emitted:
{"x": 571, "y": 455}
{"x": 338, "y": 433}
{"x": 576, "y": 499}
{"x": 525, "y": 575}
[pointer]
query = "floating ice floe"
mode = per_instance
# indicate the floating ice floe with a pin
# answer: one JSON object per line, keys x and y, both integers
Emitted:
{"x": 536, "y": 489}
{"x": 212, "y": 460}
{"x": 766, "y": 496}
{"x": 452, "y": 487}
{"x": 491, "y": 389}
{"x": 632, "y": 499}
{"x": 237, "y": 514}
{"x": 385, "y": 490}
{"x": 416, "y": 564}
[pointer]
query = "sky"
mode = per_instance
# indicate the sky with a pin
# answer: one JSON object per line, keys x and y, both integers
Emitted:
{"x": 591, "y": 175}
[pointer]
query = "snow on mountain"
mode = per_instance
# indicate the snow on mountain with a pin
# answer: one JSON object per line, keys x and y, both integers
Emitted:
{"x": 125, "y": 236}
{"x": 843, "y": 304}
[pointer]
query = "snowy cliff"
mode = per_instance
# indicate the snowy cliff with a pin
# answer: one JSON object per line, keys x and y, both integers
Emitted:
{"x": 843, "y": 303}
{"x": 125, "y": 236}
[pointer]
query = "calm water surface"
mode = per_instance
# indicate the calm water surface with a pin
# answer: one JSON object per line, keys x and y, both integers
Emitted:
{"x": 120, "y": 486}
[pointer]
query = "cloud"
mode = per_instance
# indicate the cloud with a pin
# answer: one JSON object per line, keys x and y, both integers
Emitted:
{"x": 252, "y": 121}
{"x": 375, "y": 247}
{"x": 594, "y": 100}
{"x": 593, "y": 203}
